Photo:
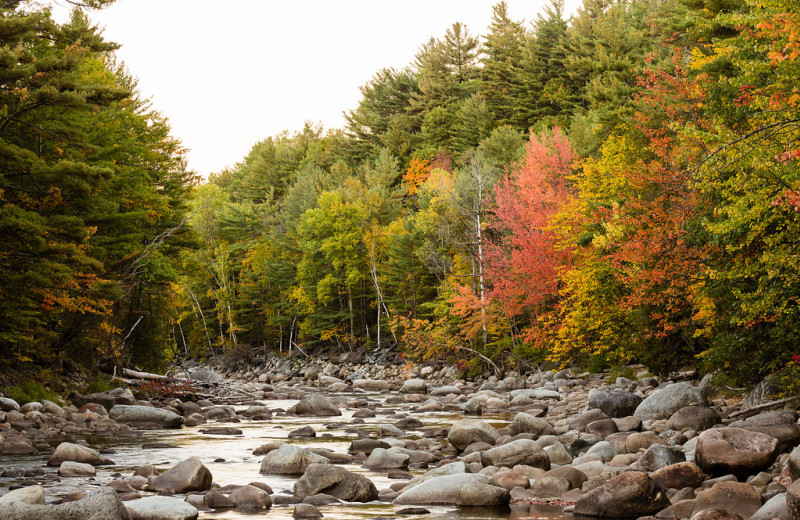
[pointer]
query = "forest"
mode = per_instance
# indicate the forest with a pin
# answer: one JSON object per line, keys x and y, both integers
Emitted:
{"x": 616, "y": 186}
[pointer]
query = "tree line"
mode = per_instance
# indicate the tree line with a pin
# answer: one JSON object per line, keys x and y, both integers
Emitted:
{"x": 616, "y": 186}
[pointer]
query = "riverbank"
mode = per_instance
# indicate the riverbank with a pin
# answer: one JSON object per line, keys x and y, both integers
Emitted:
{"x": 348, "y": 437}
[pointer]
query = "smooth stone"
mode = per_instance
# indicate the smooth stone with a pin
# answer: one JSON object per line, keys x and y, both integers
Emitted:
{"x": 161, "y": 508}
{"x": 67, "y": 451}
{"x": 76, "y": 469}
{"x": 664, "y": 402}
{"x": 466, "y": 431}
{"x": 734, "y": 450}
{"x": 335, "y": 481}
{"x": 290, "y": 460}
{"x": 615, "y": 403}
{"x": 250, "y": 497}
{"x": 460, "y": 490}
{"x": 316, "y": 405}
{"x": 629, "y": 494}
{"x": 736, "y": 497}
{"x": 134, "y": 414}
{"x": 520, "y": 451}
{"x": 103, "y": 504}
{"x": 188, "y": 475}
{"x": 33, "y": 495}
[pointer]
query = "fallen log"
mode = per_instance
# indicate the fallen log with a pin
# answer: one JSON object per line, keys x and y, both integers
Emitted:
{"x": 761, "y": 407}
{"x": 135, "y": 374}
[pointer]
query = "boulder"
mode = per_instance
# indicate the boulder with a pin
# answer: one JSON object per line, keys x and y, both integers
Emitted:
{"x": 581, "y": 421}
{"x": 660, "y": 456}
{"x": 775, "y": 507}
{"x": 466, "y": 431}
{"x": 696, "y": 418}
{"x": 316, "y": 405}
{"x": 133, "y": 414}
{"x": 547, "y": 487}
{"x": 250, "y": 497}
{"x": 629, "y": 494}
{"x": 415, "y": 386}
{"x": 66, "y": 451}
{"x": 575, "y": 477}
{"x": 742, "y": 452}
{"x": 306, "y": 511}
{"x": 290, "y": 460}
{"x": 526, "y": 423}
{"x": 371, "y": 384}
{"x": 615, "y": 403}
{"x": 102, "y": 504}
{"x": 335, "y": 481}
{"x": 187, "y": 475}
{"x": 367, "y": 445}
{"x": 781, "y": 424}
{"x": 7, "y": 404}
{"x": 381, "y": 458}
{"x": 76, "y": 469}
{"x": 161, "y": 508}
{"x": 680, "y": 475}
{"x": 664, "y": 402}
{"x": 465, "y": 489}
{"x": 27, "y": 495}
{"x": 537, "y": 393}
{"x": 520, "y": 451}
{"x": 736, "y": 497}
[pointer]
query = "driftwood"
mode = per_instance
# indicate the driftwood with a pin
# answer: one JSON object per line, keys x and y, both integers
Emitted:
{"x": 762, "y": 406}
{"x": 135, "y": 374}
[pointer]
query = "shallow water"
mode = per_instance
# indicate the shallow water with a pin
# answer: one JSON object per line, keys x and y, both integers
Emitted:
{"x": 241, "y": 467}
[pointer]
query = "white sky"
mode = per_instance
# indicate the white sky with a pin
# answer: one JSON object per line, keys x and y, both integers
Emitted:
{"x": 229, "y": 74}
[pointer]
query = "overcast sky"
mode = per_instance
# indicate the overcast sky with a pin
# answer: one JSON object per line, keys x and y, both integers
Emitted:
{"x": 229, "y": 74}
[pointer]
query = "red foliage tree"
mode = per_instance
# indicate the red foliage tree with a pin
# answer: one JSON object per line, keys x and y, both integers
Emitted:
{"x": 523, "y": 260}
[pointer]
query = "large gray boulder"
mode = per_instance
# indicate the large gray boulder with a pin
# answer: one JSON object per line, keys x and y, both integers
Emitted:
{"x": 630, "y": 494}
{"x": 467, "y": 431}
{"x": 290, "y": 460}
{"x": 66, "y": 451}
{"x": 102, "y": 504}
{"x": 187, "y": 475}
{"x": 520, "y": 451}
{"x": 615, "y": 403}
{"x": 526, "y": 423}
{"x": 465, "y": 489}
{"x": 664, "y": 402}
{"x": 721, "y": 451}
{"x": 316, "y": 405}
{"x": 793, "y": 500}
{"x": 134, "y": 414}
{"x": 335, "y": 481}
{"x": 161, "y": 508}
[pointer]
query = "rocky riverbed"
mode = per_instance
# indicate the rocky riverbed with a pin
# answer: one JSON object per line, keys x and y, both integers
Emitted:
{"x": 348, "y": 440}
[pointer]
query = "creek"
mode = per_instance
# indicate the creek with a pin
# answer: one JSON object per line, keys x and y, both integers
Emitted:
{"x": 230, "y": 460}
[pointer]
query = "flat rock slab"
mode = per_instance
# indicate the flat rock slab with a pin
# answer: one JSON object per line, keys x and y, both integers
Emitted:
{"x": 466, "y": 489}
{"x": 134, "y": 414}
{"x": 161, "y": 508}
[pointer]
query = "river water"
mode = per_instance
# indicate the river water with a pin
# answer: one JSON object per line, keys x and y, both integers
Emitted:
{"x": 241, "y": 467}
